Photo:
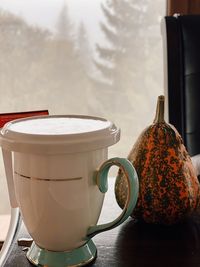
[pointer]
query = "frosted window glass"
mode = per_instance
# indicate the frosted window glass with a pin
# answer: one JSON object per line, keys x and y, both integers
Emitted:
{"x": 91, "y": 57}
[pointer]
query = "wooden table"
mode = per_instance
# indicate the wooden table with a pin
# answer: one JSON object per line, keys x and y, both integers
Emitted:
{"x": 134, "y": 244}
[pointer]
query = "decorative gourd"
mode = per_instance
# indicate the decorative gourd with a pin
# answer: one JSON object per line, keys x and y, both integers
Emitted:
{"x": 169, "y": 188}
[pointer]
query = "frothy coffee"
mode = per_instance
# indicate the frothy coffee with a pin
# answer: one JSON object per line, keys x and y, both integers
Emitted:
{"x": 59, "y": 125}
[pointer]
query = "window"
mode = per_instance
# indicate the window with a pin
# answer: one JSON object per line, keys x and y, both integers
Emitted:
{"x": 99, "y": 57}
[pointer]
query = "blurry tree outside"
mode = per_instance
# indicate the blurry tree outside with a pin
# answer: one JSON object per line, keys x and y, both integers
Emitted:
{"x": 118, "y": 78}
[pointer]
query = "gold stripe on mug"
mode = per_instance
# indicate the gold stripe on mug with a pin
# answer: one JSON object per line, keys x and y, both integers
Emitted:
{"x": 49, "y": 180}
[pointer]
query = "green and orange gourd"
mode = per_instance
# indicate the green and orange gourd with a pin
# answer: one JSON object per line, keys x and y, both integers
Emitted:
{"x": 169, "y": 189}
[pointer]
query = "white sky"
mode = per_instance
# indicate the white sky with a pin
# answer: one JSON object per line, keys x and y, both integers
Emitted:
{"x": 45, "y": 12}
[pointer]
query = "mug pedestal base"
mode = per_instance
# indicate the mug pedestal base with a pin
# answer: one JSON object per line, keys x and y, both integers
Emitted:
{"x": 78, "y": 257}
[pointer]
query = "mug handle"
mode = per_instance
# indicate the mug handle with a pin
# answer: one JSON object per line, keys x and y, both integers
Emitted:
{"x": 101, "y": 177}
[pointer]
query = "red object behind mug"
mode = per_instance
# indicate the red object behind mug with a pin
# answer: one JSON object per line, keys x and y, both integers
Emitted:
{"x": 6, "y": 117}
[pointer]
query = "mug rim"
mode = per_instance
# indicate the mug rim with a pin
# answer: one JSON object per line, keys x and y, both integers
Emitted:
{"x": 59, "y": 143}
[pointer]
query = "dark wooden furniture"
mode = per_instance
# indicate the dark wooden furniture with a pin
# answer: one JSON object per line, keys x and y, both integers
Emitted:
{"x": 135, "y": 244}
{"x": 183, "y": 79}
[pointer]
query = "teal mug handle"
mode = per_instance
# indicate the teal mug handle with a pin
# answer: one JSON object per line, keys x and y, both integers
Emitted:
{"x": 101, "y": 177}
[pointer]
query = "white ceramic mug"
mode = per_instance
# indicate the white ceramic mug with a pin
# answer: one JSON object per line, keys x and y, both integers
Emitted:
{"x": 57, "y": 170}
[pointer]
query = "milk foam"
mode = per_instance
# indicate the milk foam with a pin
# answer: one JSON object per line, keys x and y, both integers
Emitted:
{"x": 59, "y": 125}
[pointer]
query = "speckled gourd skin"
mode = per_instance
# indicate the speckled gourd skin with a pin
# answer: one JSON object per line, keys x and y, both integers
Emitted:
{"x": 169, "y": 188}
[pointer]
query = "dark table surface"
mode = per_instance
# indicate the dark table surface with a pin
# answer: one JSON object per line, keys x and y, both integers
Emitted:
{"x": 136, "y": 244}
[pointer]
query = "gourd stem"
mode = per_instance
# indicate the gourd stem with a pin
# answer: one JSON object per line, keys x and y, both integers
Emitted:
{"x": 160, "y": 110}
